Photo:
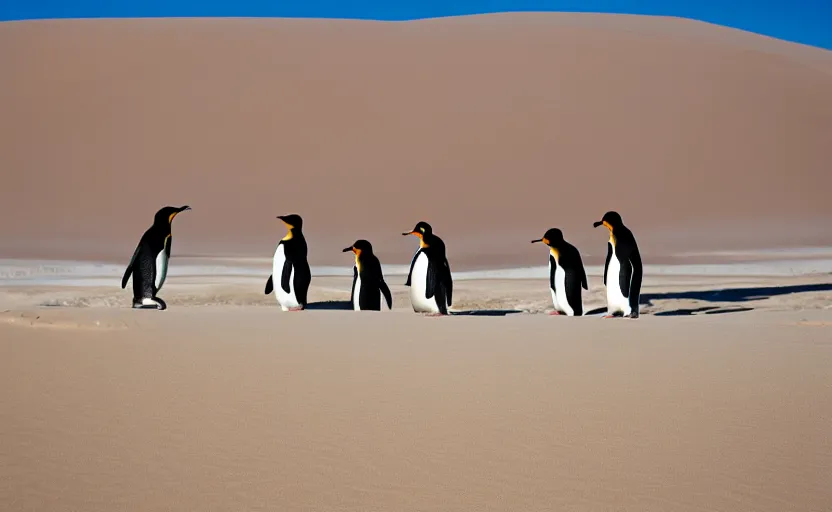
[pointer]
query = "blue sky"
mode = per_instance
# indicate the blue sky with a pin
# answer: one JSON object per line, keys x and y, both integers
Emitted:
{"x": 804, "y": 21}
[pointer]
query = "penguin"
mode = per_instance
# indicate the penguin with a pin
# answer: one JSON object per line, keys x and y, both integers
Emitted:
{"x": 290, "y": 267}
{"x": 429, "y": 278}
{"x": 566, "y": 274}
{"x": 622, "y": 269}
{"x": 367, "y": 279}
{"x": 149, "y": 264}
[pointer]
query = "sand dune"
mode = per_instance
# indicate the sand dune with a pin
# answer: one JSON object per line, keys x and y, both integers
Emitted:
{"x": 493, "y": 128}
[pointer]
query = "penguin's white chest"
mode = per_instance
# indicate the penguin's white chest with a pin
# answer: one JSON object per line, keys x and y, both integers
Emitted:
{"x": 161, "y": 269}
{"x": 559, "y": 293}
{"x": 286, "y": 300}
{"x": 356, "y": 293}
{"x": 616, "y": 301}
{"x": 418, "y": 286}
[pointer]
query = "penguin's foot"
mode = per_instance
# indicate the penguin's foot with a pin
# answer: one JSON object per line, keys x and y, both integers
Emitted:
{"x": 296, "y": 308}
{"x": 150, "y": 303}
{"x": 633, "y": 315}
{"x": 435, "y": 314}
{"x": 555, "y": 313}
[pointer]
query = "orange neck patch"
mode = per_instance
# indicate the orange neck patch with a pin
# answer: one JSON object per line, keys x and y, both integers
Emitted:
{"x": 612, "y": 236}
{"x": 554, "y": 252}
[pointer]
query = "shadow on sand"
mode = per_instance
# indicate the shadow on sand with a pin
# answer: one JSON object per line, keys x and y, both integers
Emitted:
{"x": 345, "y": 305}
{"x": 737, "y": 294}
{"x": 330, "y": 305}
{"x": 596, "y": 311}
{"x": 708, "y": 310}
{"x": 721, "y": 295}
{"x": 728, "y": 295}
{"x": 486, "y": 312}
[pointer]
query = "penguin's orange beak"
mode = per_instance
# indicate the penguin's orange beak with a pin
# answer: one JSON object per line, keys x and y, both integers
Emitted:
{"x": 348, "y": 249}
{"x": 413, "y": 233}
{"x": 544, "y": 240}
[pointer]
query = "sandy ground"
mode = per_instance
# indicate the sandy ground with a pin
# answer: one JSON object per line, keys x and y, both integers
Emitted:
{"x": 718, "y": 398}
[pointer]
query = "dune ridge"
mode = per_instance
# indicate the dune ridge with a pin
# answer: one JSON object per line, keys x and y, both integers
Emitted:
{"x": 493, "y": 128}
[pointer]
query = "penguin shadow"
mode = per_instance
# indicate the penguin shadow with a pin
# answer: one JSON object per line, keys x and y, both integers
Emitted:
{"x": 595, "y": 312}
{"x": 330, "y": 305}
{"x": 346, "y": 305}
{"x": 485, "y": 312}
{"x": 707, "y": 310}
{"x": 735, "y": 295}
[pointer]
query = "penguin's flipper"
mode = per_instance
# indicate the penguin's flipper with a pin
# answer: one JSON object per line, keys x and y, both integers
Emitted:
{"x": 436, "y": 285}
{"x": 431, "y": 280}
{"x": 387, "y": 295}
{"x": 269, "y": 285}
{"x": 126, "y": 277}
{"x": 352, "y": 290}
{"x": 449, "y": 283}
{"x": 625, "y": 275}
{"x": 553, "y": 265}
{"x": 129, "y": 269}
{"x": 573, "y": 290}
{"x": 303, "y": 276}
{"x": 410, "y": 272}
{"x": 285, "y": 275}
{"x": 607, "y": 263}
{"x": 582, "y": 270}
{"x": 635, "y": 280}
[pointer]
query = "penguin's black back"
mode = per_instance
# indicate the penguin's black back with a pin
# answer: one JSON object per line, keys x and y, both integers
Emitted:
{"x": 439, "y": 282}
{"x": 629, "y": 258}
{"x": 295, "y": 252}
{"x": 569, "y": 258}
{"x": 626, "y": 250}
{"x": 372, "y": 284}
{"x": 143, "y": 264}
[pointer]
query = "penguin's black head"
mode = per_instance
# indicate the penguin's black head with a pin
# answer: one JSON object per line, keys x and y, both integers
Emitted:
{"x": 164, "y": 217}
{"x": 610, "y": 220}
{"x": 422, "y": 229}
{"x": 552, "y": 238}
{"x": 293, "y": 221}
{"x": 360, "y": 247}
